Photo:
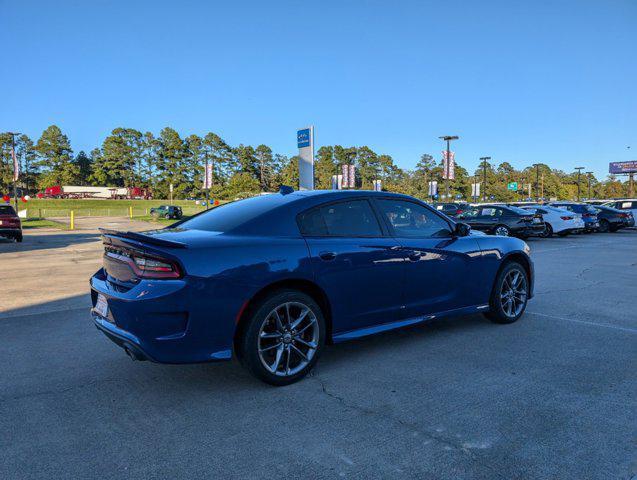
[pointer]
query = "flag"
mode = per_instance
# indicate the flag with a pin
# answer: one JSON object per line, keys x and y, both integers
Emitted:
{"x": 16, "y": 166}
{"x": 449, "y": 169}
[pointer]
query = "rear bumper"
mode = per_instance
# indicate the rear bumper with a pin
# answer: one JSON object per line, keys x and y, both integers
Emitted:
{"x": 166, "y": 321}
{"x": 121, "y": 338}
{"x": 529, "y": 230}
{"x": 10, "y": 232}
{"x": 591, "y": 226}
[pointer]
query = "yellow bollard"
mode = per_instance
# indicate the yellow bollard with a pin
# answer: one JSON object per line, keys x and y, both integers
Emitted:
{"x": 130, "y": 210}
{"x": 72, "y": 220}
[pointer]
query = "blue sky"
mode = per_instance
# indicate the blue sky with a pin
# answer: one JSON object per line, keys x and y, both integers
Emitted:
{"x": 520, "y": 81}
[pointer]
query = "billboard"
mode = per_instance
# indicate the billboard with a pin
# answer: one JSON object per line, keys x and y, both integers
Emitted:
{"x": 305, "y": 143}
{"x": 629, "y": 166}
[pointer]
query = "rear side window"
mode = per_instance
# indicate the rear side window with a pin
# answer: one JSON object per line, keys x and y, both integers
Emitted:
{"x": 344, "y": 219}
{"x": 6, "y": 210}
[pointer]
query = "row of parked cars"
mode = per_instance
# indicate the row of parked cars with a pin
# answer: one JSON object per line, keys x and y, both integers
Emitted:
{"x": 544, "y": 220}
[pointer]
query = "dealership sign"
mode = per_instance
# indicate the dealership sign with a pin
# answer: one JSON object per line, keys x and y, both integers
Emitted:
{"x": 305, "y": 143}
{"x": 629, "y": 166}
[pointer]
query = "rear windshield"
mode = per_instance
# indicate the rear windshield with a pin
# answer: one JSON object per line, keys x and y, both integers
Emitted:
{"x": 518, "y": 210}
{"x": 231, "y": 215}
{"x": 6, "y": 210}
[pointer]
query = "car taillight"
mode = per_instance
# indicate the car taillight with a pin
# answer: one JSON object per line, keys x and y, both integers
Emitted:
{"x": 146, "y": 266}
{"x": 623, "y": 215}
{"x": 566, "y": 218}
{"x": 588, "y": 215}
{"x": 459, "y": 211}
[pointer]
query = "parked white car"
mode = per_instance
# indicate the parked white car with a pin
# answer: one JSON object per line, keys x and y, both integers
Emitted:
{"x": 558, "y": 220}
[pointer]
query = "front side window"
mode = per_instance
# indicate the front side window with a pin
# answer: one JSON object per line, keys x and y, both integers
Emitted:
{"x": 471, "y": 213}
{"x": 344, "y": 219}
{"x": 409, "y": 219}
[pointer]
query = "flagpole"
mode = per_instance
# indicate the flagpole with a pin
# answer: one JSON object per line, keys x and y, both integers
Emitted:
{"x": 16, "y": 170}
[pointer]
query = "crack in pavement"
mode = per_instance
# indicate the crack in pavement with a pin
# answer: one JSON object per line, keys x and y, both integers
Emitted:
{"x": 410, "y": 427}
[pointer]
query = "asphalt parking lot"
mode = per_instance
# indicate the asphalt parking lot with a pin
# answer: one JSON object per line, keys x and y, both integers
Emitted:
{"x": 551, "y": 396}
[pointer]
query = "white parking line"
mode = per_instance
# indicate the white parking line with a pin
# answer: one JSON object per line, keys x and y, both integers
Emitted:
{"x": 604, "y": 325}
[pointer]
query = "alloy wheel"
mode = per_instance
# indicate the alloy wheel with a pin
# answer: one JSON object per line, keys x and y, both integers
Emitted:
{"x": 288, "y": 338}
{"x": 502, "y": 231}
{"x": 513, "y": 294}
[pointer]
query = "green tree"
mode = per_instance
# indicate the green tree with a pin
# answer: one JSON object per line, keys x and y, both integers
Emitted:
{"x": 84, "y": 166}
{"x": 219, "y": 155}
{"x": 55, "y": 158}
{"x": 290, "y": 173}
{"x": 25, "y": 150}
{"x": 267, "y": 168}
{"x": 172, "y": 165}
{"x": 241, "y": 185}
{"x": 324, "y": 167}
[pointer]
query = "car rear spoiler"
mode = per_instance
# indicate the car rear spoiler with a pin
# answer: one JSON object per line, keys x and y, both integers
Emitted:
{"x": 140, "y": 237}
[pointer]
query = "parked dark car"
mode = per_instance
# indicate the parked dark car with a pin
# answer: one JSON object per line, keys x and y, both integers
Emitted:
{"x": 452, "y": 209}
{"x": 626, "y": 205}
{"x": 10, "y": 225}
{"x": 167, "y": 211}
{"x": 611, "y": 219}
{"x": 272, "y": 278}
{"x": 503, "y": 220}
{"x": 588, "y": 213}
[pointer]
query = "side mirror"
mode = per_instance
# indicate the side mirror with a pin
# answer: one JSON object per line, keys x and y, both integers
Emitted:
{"x": 462, "y": 229}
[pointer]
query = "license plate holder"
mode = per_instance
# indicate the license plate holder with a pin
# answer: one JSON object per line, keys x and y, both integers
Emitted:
{"x": 101, "y": 306}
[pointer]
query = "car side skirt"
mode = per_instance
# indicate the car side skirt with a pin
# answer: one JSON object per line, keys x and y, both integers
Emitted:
{"x": 383, "y": 327}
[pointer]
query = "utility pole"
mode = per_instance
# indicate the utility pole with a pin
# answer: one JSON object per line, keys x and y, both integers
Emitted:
{"x": 589, "y": 184}
{"x": 15, "y": 169}
{"x": 579, "y": 172}
{"x": 484, "y": 176}
{"x": 537, "y": 182}
{"x": 542, "y": 192}
{"x": 448, "y": 139}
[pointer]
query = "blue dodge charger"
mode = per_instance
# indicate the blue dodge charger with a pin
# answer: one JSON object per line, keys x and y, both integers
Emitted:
{"x": 272, "y": 279}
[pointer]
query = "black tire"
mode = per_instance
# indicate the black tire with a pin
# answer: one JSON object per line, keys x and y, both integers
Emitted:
{"x": 18, "y": 238}
{"x": 563, "y": 234}
{"x": 258, "y": 316}
{"x": 496, "y": 312}
{"x": 503, "y": 229}
{"x": 604, "y": 225}
{"x": 548, "y": 231}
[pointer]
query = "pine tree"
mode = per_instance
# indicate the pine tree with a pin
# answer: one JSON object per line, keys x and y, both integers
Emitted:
{"x": 55, "y": 158}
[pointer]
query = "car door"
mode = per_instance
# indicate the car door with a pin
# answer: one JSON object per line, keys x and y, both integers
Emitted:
{"x": 488, "y": 218}
{"x": 356, "y": 263}
{"x": 440, "y": 268}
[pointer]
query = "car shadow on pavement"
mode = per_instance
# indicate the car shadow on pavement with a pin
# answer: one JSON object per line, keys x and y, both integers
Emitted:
{"x": 45, "y": 241}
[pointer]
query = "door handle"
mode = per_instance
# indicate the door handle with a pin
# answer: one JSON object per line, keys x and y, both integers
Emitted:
{"x": 327, "y": 255}
{"x": 414, "y": 255}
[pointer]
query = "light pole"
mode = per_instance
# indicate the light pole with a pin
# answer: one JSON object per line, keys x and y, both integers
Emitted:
{"x": 537, "y": 182}
{"x": 579, "y": 172}
{"x": 15, "y": 169}
{"x": 448, "y": 139}
{"x": 589, "y": 184}
{"x": 484, "y": 177}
